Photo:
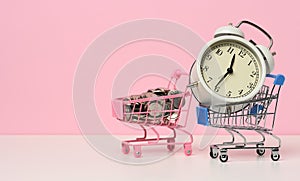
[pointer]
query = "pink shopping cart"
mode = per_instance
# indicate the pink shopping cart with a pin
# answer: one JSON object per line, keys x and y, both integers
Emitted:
{"x": 157, "y": 107}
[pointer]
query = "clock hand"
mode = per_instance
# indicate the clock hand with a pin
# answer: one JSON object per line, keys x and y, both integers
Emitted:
{"x": 229, "y": 71}
{"x": 232, "y": 62}
{"x": 221, "y": 80}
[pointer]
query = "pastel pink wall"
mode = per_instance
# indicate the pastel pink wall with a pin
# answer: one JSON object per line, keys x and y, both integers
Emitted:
{"x": 41, "y": 43}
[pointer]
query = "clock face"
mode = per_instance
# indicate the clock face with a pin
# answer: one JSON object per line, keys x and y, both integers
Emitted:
{"x": 230, "y": 69}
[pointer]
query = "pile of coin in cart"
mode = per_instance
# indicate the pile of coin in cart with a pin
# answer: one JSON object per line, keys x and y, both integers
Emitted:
{"x": 154, "y": 106}
{"x": 232, "y": 79}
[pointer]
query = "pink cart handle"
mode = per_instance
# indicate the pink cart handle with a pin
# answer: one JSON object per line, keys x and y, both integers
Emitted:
{"x": 176, "y": 75}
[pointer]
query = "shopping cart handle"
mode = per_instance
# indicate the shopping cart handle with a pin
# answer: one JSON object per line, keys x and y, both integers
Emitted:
{"x": 279, "y": 78}
{"x": 177, "y": 74}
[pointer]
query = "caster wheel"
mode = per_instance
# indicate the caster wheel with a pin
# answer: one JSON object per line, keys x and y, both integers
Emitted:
{"x": 125, "y": 148}
{"x": 171, "y": 147}
{"x": 213, "y": 154}
{"x": 259, "y": 145}
{"x": 260, "y": 151}
{"x": 275, "y": 156}
{"x": 137, "y": 151}
{"x": 187, "y": 149}
{"x": 223, "y": 158}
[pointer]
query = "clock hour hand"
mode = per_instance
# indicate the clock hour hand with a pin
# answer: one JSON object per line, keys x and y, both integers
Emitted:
{"x": 229, "y": 71}
{"x": 231, "y": 64}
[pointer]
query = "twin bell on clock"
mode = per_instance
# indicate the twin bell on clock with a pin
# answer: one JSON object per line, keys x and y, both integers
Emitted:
{"x": 230, "y": 68}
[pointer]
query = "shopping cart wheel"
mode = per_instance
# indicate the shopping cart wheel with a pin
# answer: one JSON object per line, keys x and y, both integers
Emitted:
{"x": 223, "y": 158}
{"x": 260, "y": 151}
{"x": 213, "y": 153}
{"x": 125, "y": 148}
{"x": 172, "y": 146}
{"x": 187, "y": 149}
{"x": 137, "y": 151}
{"x": 275, "y": 156}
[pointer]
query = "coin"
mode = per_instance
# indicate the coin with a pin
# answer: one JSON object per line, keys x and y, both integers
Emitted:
{"x": 173, "y": 117}
{"x": 177, "y": 100}
{"x": 159, "y": 91}
{"x": 155, "y": 108}
{"x": 127, "y": 109}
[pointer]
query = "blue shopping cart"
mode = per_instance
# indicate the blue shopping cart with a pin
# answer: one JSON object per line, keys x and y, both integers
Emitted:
{"x": 258, "y": 115}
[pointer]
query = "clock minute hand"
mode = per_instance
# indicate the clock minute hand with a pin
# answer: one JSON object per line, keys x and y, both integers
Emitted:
{"x": 229, "y": 71}
{"x": 221, "y": 80}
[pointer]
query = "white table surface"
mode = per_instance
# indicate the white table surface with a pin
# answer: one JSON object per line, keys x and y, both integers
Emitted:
{"x": 70, "y": 157}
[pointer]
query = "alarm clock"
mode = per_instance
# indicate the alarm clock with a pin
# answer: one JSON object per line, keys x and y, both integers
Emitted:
{"x": 230, "y": 68}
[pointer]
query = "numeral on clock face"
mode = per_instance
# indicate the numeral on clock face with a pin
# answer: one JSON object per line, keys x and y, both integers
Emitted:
{"x": 253, "y": 74}
{"x": 208, "y": 57}
{"x": 250, "y": 63}
{"x": 217, "y": 89}
{"x": 240, "y": 91}
{"x": 209, "y": 79}
{"x": 228, "y": 93}
{"x": 205, "y": 68}
{"x": 219, "y": 52}
{"x": 250, "y": 85}
{"x": 230, "y": 50}
{"x": 242, "y": 53}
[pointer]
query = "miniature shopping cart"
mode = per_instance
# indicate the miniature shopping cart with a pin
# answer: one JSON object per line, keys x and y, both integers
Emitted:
{"x": 257, "y": 114}
{"x": 157, "y": 107}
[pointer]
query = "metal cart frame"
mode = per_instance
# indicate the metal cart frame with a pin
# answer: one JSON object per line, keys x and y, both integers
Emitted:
{"x": 138, "y": 112}
{"x": 257, "y": 115}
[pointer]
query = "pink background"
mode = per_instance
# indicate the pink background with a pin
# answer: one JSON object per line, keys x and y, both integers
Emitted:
{"x": 42, "y": 41}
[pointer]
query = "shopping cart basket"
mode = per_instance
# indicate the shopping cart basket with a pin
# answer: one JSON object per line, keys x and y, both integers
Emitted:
{"x": 157, "y": 107}
{"x": 257, "y": 114}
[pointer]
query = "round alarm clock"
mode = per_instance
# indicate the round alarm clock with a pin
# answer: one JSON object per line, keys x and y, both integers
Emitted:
{"x": 230, "y": 68}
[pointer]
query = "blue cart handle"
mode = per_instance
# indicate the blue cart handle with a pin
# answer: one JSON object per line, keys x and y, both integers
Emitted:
{"x": 278, "y": 79}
